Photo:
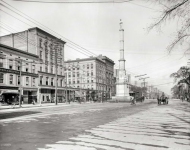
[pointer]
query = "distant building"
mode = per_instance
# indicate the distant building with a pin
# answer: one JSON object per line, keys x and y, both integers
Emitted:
{"x": 94, "y": 74}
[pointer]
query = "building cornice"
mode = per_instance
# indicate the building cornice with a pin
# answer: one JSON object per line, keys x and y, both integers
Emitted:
{"x": 48, "y": 34}
{"x": 85, "y": 59}
{"x": 18, "y": 52}
{"x": 53, "y": 75}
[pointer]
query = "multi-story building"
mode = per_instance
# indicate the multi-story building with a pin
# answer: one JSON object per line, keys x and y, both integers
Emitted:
{"x": 18, "y": 70}
{"x": 49, "y": 50}
{"x": 94, "y": 73}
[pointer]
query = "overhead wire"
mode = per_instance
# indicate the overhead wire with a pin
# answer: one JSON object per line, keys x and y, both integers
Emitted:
{"x": 50, "y": 30}
{"x": 75, "y": 2}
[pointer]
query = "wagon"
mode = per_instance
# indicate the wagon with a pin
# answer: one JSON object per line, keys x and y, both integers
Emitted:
{"x": 162, "y": 100}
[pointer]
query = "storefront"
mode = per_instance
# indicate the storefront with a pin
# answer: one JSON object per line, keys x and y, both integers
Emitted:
{"x": 47, "y": 95}
{"x": 8, "y": 89}
{"x": 29, "y": 95}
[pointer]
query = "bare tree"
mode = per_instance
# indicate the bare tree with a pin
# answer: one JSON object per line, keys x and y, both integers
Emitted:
{"x": 176, "y": 9}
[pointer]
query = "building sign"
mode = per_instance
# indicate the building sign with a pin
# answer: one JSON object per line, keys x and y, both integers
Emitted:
{"x": 17, "y": 72}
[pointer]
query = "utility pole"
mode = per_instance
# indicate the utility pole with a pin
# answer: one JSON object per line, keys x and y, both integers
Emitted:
{"x": 144, "y": 81}
{"x": 56, "y": 49}
{"x": 20, "y": 91}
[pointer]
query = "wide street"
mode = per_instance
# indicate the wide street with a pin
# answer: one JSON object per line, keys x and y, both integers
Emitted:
{"x": 91, "y": 126}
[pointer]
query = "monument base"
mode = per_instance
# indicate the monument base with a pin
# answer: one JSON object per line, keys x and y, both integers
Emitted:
{"x": 123, "y": 99}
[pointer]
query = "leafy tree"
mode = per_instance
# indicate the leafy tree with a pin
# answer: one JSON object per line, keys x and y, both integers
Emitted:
{"x": 176, "y": 10}
{"x": 140, "y": 90}
{"x": 178, "y": 90}
{"x": 182, "y": 77}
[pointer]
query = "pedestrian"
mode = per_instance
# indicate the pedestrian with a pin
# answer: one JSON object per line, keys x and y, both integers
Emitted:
{"x": 132, "y": 100}
{"x": 33, "y": 101}
{"x": 181, "y": 98}
{"x": 158, "y": 99}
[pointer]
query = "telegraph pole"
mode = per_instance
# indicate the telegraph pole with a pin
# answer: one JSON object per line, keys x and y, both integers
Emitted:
{"x": 56, "y": 49}
{"x": 20, "y": 91}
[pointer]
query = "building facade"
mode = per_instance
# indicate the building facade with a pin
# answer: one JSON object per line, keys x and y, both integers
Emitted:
{"x": 48, "y": 51}
{"x": 18, "y": 71}
{"x": 94, "y": 74}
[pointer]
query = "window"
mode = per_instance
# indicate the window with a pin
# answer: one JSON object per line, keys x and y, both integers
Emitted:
{"x": 91, "y": 73}
{"x": 41, "y": 80}
{"x": 77, "y": 74}
{"x": 33, "y": 68}
{"x": 40, "y": 68}
{"x": 83, "y": 66}
{"x": 10, "y": 64}
{"x": 69, "y": 74}
{"x": 51, "y": 56}
{"x": 27, "y": 80}
{"x": 40, "y": 43}
{"x": 47, "y": 80}
{"x": 40, "y": 54}
{"x": 46, "y": 56}
{"x": 18, "y": 80}
{"x": 87, "y": 66}
{"x": 61, "y": 82}
{"x": 91, "y": 66}
{"x": 51, "y": 81}
{"x": 11, "y": 79}
{"x": 33, "y": 82}
{"x": 26, "y": 67}
{"x": 78, "y": 81}
{"x": 92, "y": 81}
{"x": 87, "y": 81}
{"x": 61, "y": 71}
{"x": 73, "y": 82}
{"x": 1, "y": 62}
{"x": 51, "y": 69}
{"x": 19, "y": 65}
{"x": 46, "y": 68}
{"x": 1, "y": 77}
{"x": 73, "y": 74}
{"x": 87, "y": 73}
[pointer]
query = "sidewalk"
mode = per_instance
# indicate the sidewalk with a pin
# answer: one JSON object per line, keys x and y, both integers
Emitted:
{"x": 9, "y": 108}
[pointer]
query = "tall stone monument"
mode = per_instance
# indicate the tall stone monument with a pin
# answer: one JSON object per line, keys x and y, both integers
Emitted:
{"x": 122, "y": 82}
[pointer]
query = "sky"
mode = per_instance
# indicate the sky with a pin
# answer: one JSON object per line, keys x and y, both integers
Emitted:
{"x": 95, "y": 27}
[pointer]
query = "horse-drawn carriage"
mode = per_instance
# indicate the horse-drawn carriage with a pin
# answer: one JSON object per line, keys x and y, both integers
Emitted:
{"x": 137, "y": 96}
{"x": 162, "y": 100}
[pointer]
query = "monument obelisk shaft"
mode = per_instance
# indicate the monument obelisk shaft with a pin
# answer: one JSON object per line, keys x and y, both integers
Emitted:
{"x": 122, "y": 85}
{"x": 122, "y": 60}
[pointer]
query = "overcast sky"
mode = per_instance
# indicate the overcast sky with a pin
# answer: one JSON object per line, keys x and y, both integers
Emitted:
{"x": 95, "y": 27}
